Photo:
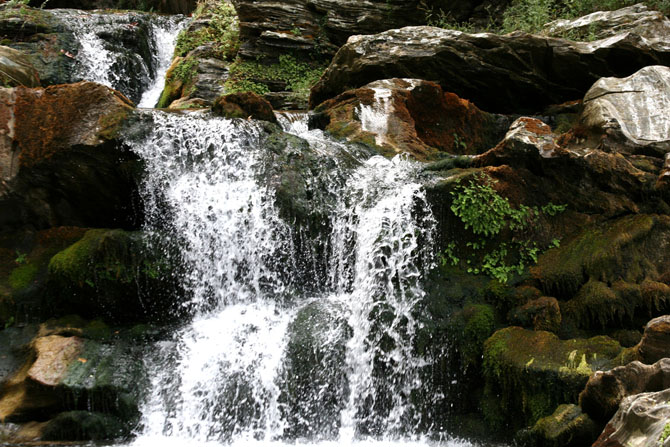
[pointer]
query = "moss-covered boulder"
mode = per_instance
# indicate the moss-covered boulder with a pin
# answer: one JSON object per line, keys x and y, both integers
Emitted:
{"x": 112, "y": 274}
{"x": 565, "y": 427}
{"x": 529, "y": 373}
{"x": 244, "y": 105}
{"x": 315, "y": 366}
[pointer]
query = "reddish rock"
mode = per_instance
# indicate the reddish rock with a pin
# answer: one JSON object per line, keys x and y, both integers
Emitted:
{"x": 655, "y": 343}
{"x": 605, "y": 390}
{"x": 54, "y": 356}
{"x": 409, "y": 115}
{"x": 244, "y": 105}
{"x": 542, "y": 314}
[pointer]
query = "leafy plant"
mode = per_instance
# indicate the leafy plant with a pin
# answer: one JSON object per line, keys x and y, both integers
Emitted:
{"x": 487, "y": 214}
{"x": 665, "y": 435}
{"x": 21, "y": 258}
{"x": 223, "y": 31}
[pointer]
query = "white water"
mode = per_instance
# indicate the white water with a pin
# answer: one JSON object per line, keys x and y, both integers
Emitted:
{"x": 222, "y": 378}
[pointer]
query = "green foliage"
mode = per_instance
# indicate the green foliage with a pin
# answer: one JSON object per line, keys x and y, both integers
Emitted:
{"x": 21, "y": 277}
{"x": 487, "y": 214}
{"x": 185, "y": 70}
{"x": 299, "y": 77}
{"x": 665, "y": 435}
{"x": 444, "y": 20}
{"x": 21, "y": 258}
{"x": 223, "y": 31}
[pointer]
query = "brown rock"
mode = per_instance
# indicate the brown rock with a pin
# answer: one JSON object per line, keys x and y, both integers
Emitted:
{"x": 655, "y": 343}
{"x": 605, "y": 390}
{"x": 54, "y": 356}
{"x": 542, "y": 314}
{"x": 244, "y": 105}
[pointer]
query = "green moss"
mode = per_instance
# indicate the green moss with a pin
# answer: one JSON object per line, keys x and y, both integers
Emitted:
{"x": 22, "y": 276}
{"x": 222, "y": 31}
{"x": 73, "y": 263}
{"x": 478, "y": 327}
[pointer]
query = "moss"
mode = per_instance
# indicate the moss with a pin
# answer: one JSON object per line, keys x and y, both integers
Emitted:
{"x": 531, "y": 372}
{"x": 222, "y": 31}
{"x": 22, "y": 276}
{"x": 73, "y": 262}
{"x": 478, "y": 327}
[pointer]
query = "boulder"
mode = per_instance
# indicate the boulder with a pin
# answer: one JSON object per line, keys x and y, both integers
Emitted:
{"x": 605, "y": 390}
{"x": 567, "y": 426}
{"x": 628, "y": 114}
{"x": 244, "y": 105}
{"x": 60, "y": 160}
{"x": 655, "y": 343}
{"x": 529, "y": 373}
{"x": 641, "y": 420}
{"x": 498, "y": 73}
{"x": 410, "y": 115}
{"x": 541, "y": 314}
{"x": 637, "y": 19}
{"x": 16, "y": 69}
{"x": 164, "y": 6}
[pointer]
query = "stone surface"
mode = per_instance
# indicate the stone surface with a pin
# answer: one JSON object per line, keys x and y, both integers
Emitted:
{"x": 605, "y": 390}
{"x": 541, "y": 314}
{"x": 655, "y": 343}
{"x": 498, "y": 73}
{"x": 641, "y": 421}
{"x": 60, "y": 160}
{"x": 54, "y": 354}
{"x": 244, "y": 105}
{"x": 410, "y": 115}
{"x": 165, "y": 6}
{"x": 637, "y": 19}
{"x": 630, "y": 114}
{"x": 565, "y": 427}
{"x": 16, "y": 69}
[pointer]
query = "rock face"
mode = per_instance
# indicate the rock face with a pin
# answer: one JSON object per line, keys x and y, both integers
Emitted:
{"x": 318, "y": 27}
{"x": 244, "y": 105}
{"x": 59, "y": 161}
{"x": 642, "y": 420}
{"x": 629, "y": 113}
{"x": 16, "y": 69}
{"x": 165, "y": 6}
{"x": 508, "y": 73}
{"x": 636, "y": 19}
{"x": 655, "y": 343}
{"x": 605, "y": 390}
{"x": 566, "y": 427}
{"x": 410, "y": 115}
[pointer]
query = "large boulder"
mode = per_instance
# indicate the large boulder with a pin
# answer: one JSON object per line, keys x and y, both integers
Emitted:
{"x": 410, "y": 115}
{"x": 605, "y": 390}
{"x": 498, "y": 73}
{"x": 60, "y": 159}
{"x": 568, "y": 426}
{"x": 642, "y": 421}
{"x": 629, "y": 114}
{"x": 244, "y": 105}
{"x": 529, "y": 373}
{"x": 655, "y": 343}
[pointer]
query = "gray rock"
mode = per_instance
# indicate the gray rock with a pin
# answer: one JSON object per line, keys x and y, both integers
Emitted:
{"x": 16, "y": 69}
{"x": 500, "y": 73}
{"x": 631, "y": 114}
{"x": 641, "y": 421}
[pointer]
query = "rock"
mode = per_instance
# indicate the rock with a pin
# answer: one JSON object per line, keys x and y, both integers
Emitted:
{"x": 16, "y": 69}
{"x": 410, "y": 115}
{"x": 528, "y": 373}
{"x": 164, "y": 6}
{"x": 655, "y": 343}
{"x": 54, "y": 355}
{"x": 642, "y": 420}
{"x": 314, "y": 360}
{"x": 566, "y": 427}
{"x": 316, "y": 27}
{"x": 113, "y": 274}
{"x": 605, "y": 390}
{"x": 541, "y": 314}
{"x": 60, "y": 161}
{"x": 84, "y": 426}
{"x": 498, "y": 73}
{"x": 636, "y": 19}
{"x": 244, "y": 105}
{"x": 628, "y": 114}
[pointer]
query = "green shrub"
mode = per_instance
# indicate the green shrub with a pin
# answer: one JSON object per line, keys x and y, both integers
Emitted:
{"x": 223, "y": 31}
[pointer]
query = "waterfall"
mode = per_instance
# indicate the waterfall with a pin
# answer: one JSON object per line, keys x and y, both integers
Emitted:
{"x": 110, "y": 50}
{"x": 265, "y": 360}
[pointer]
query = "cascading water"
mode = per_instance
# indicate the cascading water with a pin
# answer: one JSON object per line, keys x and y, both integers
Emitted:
{"x": 264, "y": 361}
{"x": 109, "y": 51}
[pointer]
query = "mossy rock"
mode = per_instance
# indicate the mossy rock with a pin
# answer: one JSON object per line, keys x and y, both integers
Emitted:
{"x": 84, "y": 426}
{"x": 315, "y": 365}
{"x": 113, "y": 274}
{"x": 529, "y": 373}
{"x": 567, "y": 426}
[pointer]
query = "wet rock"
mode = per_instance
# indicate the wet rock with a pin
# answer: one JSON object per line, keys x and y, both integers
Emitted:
{"x": 637, "y": 19}
{"x": 642, "y": 420}
{"x": 655, "y": 343}
{"x": 565, "y": 427}
{"x": 16, "y": 69}
{"x": 164, "y": 6}
{"x": 112, "y": 274}
{"x": 605, "y": 390}
{"x": 60, "y": 161}
{"x": 541, "y": 314}
{"x": 244, "y": 105}
{"x": 84, "y": 426}
{"x": 410, "y": 115}
{"x": 528, "y": 373}
{"x": 627, "y": 114}
{"x": 315, "y": 356}
{"x": 498, "y": 73}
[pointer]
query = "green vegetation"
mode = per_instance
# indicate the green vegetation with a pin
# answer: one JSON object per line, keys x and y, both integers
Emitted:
{"x": 223, "y": 31}
{"x": 486, "y": 214}
{"x": 665, "y": 435}
{"x": 298, "y": 77}
{"x": 21, "y": 277}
